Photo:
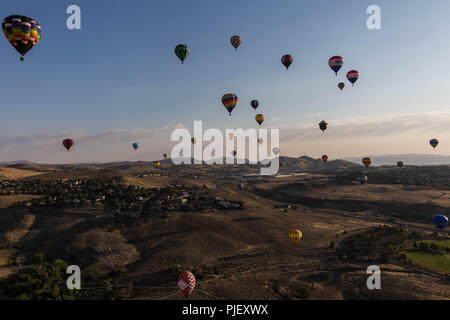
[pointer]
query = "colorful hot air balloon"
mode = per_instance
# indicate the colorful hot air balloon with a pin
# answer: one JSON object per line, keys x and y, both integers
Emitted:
{"x": 440, "y": 221}
{"x": 135, "y": 145}
{"x": 254, "y": 104}
{"x": 193, "y": 140}
{"x": 240, "y": 187}
{"x": 68, "y": 143}
{"x": 367, "y": 161}
{"x": 295, "y": 235}
{"x": 22, "y": 32}
{"x": 434, "y": 143}
{"x": 324, "y": 158}
{"x": 230, "y": 101}
{"x": 165, "y": 155}
{"x": 362, "y": 179}
{"x": 236, "y": 41}
{"x": 182, "y": 51}
{"x": 341, "y": 85}
{"x": 399, "y": 164}
{"x": 352, "y": 76}
{"x": 157, "y": 164}
{"x": 323, "y": 125}
{"x": 336, "y": 63}
{"x": 286, "y": 60}
{"x": 186, "y": 283}
{"x": 259, "y": 118}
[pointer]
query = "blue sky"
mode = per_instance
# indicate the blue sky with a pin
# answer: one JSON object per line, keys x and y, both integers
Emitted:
{"x": 118, "y": 80}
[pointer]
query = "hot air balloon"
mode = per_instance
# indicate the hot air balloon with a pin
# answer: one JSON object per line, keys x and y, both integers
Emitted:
{"x": 234, "y": 153}
{"x": 135, "y": 145}
{"x": 341, "y": 85}
{"x": 399, "y": 164}
{"x": 352, "y": 76}
{"x": 259, "y": 118}
{"x": 231, "y": 135}
{"x": 195, "y": 177}
{"x": 254, "y": 104}
{"x": 240, "y": 187}
{"x": 230, "y": 101}
{"x": 186, "y": 283}
{"x": 276, "y": 150}
{"x": 182, "y": 51}
{"x": 362, "y": 179}
{"x": 236, "y": 41}
{"x": 165, "y": 155}
{"x": 68, "y": 143}
{"x": 193, "y": 140}
{"x": 260, "y": 140}
{"x": 440, "y": 221}
{"x": 22, "y": 32}
{"x": 324, "y": 158}
{"x": 157, "y": 164}
{"x": 434, "y": 143}
{"x": 336, "y": 63}
{"x": 295, "y": 235}
{"x": 286, "y": 60}
{"x": 367, "y": 161}
{"x": 323, "y": 125}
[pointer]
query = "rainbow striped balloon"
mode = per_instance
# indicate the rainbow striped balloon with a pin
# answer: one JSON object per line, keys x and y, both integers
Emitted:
{"x": 22, "y": 32}
{"x": 230, "y": 101}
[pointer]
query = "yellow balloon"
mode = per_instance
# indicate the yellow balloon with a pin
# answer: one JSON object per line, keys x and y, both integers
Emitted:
{"x": 259, "y": 118}
{"x": 157, "y": 164}
{"x": 295, "y": 235}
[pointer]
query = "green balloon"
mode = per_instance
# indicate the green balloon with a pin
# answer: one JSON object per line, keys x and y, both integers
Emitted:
{"x": 182, "y": 51}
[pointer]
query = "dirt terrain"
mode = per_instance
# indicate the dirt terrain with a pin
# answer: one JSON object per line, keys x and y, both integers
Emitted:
{"x": 234, "y": 254}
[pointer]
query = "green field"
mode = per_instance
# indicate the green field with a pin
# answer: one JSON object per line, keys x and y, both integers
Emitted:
{"x": 430, "y": 259}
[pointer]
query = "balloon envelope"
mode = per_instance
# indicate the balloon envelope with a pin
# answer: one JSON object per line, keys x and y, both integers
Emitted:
{"x": 229, "y": 100}
{"x": 236, "y": 41}
{"x": 434, "y": 143}
{"x": 286, "y": 60}
{"x": 399, "y": 164}
{"x": 336, "y": 63}
{"x": 254, "y": 104}
{"x": 324, "y": 158}
{"x": 135, "y": 145}
{"x": 295, "y": 235}
{"x": 22, "y": 32}
{"x": 440, "y": 221}
{"x": 182, "y": 51}
{"x": 362, "y": 179}
{"x": 259, "y": 118}
{"x": 186, "y": 283}
{"x": 352, "y": 76}
{"x": 68, "y": 143}
{"x": 367, "y": 161}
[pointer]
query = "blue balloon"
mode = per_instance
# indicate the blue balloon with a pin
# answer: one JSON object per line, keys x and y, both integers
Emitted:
{"x": 240, "y": 186}
{"x": 440, "y": 221}
{"x": 362, "y": 179}
{"x": 135, "y": 145}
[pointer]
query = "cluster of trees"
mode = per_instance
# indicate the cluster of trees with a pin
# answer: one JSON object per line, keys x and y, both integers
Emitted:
{"x": 423, "y": 246}
{"x": 41, "y": 281}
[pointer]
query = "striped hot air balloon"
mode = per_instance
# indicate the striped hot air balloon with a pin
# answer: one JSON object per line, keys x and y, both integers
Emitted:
{"x": 295, "y": 235}
{"x": 186, "y": 283}
{"x": 229, "y": 101}
{"x": 68, "y": 143}
{"x": 22, "y": 32}
{"x": 352, "y": 76}
{"x": 286, "y": 60}
{"x": 336, "y": 63}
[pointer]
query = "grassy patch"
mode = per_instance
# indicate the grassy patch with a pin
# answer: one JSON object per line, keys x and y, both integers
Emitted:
{"x": 433, "y": 259}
